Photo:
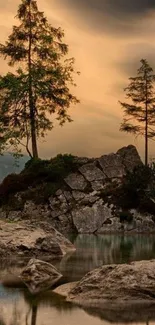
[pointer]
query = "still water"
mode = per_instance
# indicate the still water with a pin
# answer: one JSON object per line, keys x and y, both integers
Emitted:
{"x": 18, "y": 307}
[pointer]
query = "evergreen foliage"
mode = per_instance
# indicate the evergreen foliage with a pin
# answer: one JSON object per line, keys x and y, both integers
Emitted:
{"x": 139, "y": 111}
{"x": 40, "y": 85}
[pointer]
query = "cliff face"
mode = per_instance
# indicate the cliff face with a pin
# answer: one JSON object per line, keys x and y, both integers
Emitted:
{"x": 85, "y": 200}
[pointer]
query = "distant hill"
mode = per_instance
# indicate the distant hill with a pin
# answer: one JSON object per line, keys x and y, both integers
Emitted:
{"x": 8, "y": 165}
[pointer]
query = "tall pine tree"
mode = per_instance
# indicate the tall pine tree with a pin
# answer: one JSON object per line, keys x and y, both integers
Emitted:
{"x": 141, "y": 105}
{"x": 40, "y": 86}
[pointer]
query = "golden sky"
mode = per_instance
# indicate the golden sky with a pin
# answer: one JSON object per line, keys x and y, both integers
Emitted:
{"x": 107, "y": 38}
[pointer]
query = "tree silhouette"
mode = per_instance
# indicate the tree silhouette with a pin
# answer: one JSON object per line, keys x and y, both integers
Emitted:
{"x": 141, "y": 105}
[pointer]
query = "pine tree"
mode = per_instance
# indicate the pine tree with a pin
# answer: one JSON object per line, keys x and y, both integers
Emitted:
{"x": 40, "y": 85}
{"x": 141, "y": 105}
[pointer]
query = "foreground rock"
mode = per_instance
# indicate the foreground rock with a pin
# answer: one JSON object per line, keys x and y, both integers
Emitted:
{"x": 28, "y": 240}
{"x": 118, "y": 284}
{"x": 39, "y": 275}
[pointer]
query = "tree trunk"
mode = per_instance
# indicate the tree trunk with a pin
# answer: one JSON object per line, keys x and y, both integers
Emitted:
{"x": 146, "y": 142}
{"x": 33, "y": 133}
{"x": 146, "y": 125}
{"x": 31, "y": 102}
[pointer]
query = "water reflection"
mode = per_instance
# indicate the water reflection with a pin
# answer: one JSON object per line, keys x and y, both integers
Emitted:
{"x": 25, "y": 309}
{"x": 19, "y": 307}
{"x": 94, "y": 251}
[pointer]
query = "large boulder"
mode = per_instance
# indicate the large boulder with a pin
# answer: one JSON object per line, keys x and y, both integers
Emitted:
{"x": 130, "y": 157}
{"x": 91, "y": 172}
{"x": 124, "y": 312}
{"x": 112, "y": 166}
{"x": 76, "y": 181}
{"x": 117, "y": 284}
{"x": 31, "y": 240}
{"x": 89, "y": 219}
{"x": 39, "y": 276}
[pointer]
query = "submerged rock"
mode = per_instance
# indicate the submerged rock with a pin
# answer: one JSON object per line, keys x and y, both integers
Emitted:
{"x": 39, "y": 275}
{"x": 117, "y": 284}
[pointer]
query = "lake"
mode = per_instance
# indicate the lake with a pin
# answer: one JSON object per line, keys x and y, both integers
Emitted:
{"x": 19, "y": 307}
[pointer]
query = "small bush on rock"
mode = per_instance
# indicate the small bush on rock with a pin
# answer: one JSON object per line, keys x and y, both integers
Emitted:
{"x": 38, "y": 172}
{"x": 136, "y": 188}
{"x": 125, "y": 216}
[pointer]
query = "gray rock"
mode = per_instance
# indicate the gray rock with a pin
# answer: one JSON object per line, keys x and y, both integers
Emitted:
{"x": 56, "y": 213}
{"x": 58, "y": 192}
{"x": 77, "y": 195}
{"x": 62, "y": 198}
{"x": 63, "y": 223}
{"x": 120, "y": 283}
{"x": 39, "y": 276}
{"x": 76, "y": 181}
{"x": 97, "y": 185}
{"x": 113, "y": 225}
{"x": 33, "y": 210}
{"x": 91, "y": 172}
{"x": 14, "y": 215}
{"x": 90, "y": 198}
{"x": 90, "y": 219}
{"x": 58, "y": 205}
{"x": 68, "y": 196}
{"x": 83, "y": 160}
{"x": 54, "y": 202}
{"x": 112, "y": 166}
{"x": 3, "y": 213}
{"x": 130, "y": 157}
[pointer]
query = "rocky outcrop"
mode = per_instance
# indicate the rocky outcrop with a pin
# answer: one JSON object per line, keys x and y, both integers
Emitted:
{"x": 117, "y": 284}
{"x": 83, "y": 204}
{"x": 31, "y": 240}
{"x": 139, "y": 223}
{"x": 112, "y": 166}
{"x": 129, "y": 157}
{"x": 39, "y": 275}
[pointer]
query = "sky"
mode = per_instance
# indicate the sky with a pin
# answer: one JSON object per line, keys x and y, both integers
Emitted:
{"x": 108, "y": 38}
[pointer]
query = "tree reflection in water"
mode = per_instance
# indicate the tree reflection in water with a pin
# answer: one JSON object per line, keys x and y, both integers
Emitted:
{"x": 34, "y": 315}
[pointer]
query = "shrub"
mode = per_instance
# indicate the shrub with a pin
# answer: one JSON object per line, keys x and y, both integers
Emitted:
{"x": 35, "y": 174}
{"x": 125, "y": 216}
{"x": 140, "y": 178}
{"x": 136, "y": 186}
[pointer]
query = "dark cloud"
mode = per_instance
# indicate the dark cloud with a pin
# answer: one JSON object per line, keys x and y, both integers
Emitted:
{"x": 118, "y": 7}
{"x": 120, "y": 16}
